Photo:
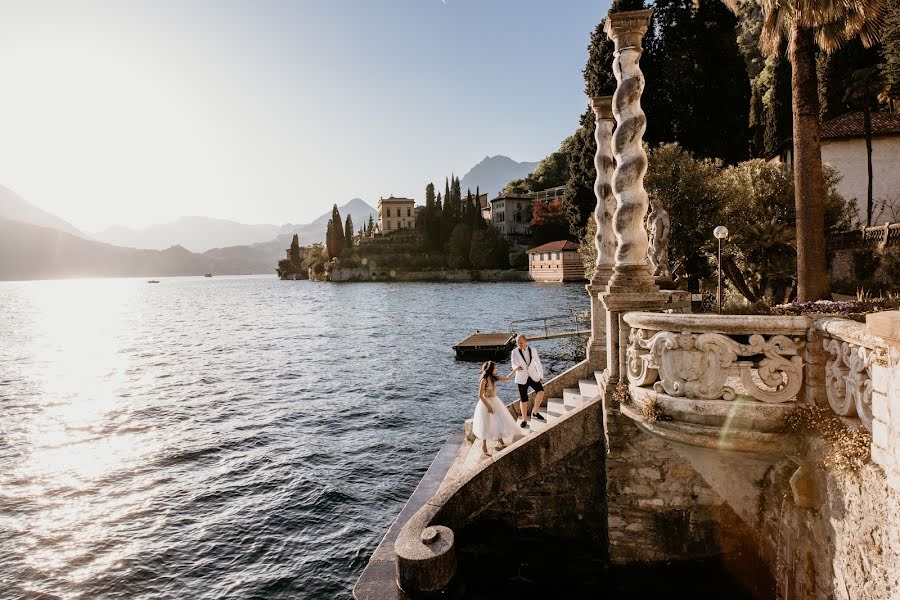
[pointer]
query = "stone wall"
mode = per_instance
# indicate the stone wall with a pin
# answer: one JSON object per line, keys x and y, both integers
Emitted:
{"x": 659, "y": 507}
{"x": 359, "y": 275}
{"x": 846, "y": 546}
{"x": 877, "y": 266}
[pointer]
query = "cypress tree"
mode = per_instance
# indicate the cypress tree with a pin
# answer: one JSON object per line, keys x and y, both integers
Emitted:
{"x": 370, "y": 228}
{"x": 448, "y": 200}
{"x": 348, "y": 231}
{"x": 329, "y": 238}
{"x": 337, "y": 233}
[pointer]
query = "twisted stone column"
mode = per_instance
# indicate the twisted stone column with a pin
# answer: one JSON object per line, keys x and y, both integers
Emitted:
{"x": 605, "y": 238}
{"x": 631, "y": 271}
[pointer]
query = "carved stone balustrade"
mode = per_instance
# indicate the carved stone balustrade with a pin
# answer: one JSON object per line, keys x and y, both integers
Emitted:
{"x": 715, "y": 381}
{"x": 851, "y": 355}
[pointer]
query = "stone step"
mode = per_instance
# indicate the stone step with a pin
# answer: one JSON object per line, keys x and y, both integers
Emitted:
{"x": 572, "y": 397}
{"x": 555, "y": 408}
{"x": 589, "y": 389}
{"x": 598, "y": 376}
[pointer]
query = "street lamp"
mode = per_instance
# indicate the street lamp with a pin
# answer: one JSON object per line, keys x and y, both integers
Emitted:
{"x": 721, "y": 233}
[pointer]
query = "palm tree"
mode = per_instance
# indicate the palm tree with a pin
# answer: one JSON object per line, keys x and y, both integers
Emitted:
{"x": 807, "y": 24}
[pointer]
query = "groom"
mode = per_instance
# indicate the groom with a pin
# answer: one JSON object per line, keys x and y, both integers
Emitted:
{"x": 529, "y": 374}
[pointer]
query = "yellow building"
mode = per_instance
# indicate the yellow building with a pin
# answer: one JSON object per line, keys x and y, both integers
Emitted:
{"x": 396, "y": 213}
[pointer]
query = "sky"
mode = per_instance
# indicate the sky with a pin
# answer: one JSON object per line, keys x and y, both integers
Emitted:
{"x": 127, "y": 112}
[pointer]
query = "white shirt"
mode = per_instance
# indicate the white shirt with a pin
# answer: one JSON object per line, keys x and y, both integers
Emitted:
{"x": 533, "y": 368}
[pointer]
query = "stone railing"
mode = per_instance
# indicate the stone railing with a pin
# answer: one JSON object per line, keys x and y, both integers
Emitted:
{"x": 851, "y": 356}
{"x": 718, "y": 381}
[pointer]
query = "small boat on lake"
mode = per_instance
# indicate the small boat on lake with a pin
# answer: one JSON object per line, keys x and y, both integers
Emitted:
{"x": 208, "y": 275}
{"x": 153, "y": 281}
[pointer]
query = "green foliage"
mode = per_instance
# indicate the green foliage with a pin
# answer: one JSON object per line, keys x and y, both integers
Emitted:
{"x": 316, "y": 258}
{"x": 518, "y": 260}
{"x": 757, "y": 200}
{"x": 459, "y": 246}
{"x": 348, "y": 231}
{"x": 579, "y": 199}
{"x": 587, "y": 249}
{"x": 698, "y": 91}
{"x": 334, "y": 236}
{"x": 891, "y": 51}
{"x": 489, "y": 250}
{"x": 551, "y": 172}
{"x": 687, "y": 188}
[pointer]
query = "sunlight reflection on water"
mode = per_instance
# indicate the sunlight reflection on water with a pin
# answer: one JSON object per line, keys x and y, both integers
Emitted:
{"x": 225, "y": 437}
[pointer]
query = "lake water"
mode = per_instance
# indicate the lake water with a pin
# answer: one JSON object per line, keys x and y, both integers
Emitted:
{"x": 227, "y": 437}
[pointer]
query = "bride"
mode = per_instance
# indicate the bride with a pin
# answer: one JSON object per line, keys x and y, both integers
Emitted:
{"x": 492, "y": 419}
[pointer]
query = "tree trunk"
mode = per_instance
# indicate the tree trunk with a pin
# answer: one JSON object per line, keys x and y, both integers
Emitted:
{"x": 809, "y": 182}
{"x": 867, "y": 129}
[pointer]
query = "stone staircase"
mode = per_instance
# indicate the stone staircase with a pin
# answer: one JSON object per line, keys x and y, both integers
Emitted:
{"x": 553, "y": 409}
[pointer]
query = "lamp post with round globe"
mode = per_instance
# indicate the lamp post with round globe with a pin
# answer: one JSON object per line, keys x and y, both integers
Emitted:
{"x": 721, "y": 233}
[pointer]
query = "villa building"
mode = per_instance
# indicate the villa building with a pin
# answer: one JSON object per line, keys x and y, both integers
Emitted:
{"x": 511, "y": 215}
{"x": 396, "y": 213}
{"x": 844, "y": 148}
{"x": 556, "y": 261}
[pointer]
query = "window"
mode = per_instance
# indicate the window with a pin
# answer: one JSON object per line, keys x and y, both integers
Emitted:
{"x": 387, "y": 225}
{"x": 389, "y": 212}
{"x": 408, "y": 212}
{"x": 518, "y": 217}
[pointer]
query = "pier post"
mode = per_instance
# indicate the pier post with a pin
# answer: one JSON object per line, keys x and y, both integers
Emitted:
{"x": 605, "y": 238}
{"x": 631, "y": 285}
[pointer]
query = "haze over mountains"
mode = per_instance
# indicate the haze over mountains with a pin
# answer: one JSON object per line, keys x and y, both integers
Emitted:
{"x": 492, "y": 174}
{"x": 35, "y": 244}
{"x": 199, "y": 234}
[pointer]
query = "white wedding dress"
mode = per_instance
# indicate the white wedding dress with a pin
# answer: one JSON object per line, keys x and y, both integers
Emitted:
{"x": 493, "y": 426}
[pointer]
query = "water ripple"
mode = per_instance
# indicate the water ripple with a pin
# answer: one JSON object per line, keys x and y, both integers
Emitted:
{"x": 226, "y": 437}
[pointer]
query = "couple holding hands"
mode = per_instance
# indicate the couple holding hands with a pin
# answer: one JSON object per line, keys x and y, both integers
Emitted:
{"x": 492, "y": 419}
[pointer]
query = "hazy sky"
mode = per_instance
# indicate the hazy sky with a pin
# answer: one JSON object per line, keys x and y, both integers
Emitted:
{"x": 267, "y": 111}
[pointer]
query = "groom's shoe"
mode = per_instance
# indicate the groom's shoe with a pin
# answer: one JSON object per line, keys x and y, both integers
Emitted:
{"x": 524, "y": 424}
{"x": 538, "y": 416}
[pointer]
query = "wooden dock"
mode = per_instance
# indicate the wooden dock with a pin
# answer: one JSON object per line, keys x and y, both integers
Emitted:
{"x": 485, "y": 346}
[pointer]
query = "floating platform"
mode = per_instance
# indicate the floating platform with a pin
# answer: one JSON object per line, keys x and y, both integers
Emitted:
{"x": 485, "y": 346}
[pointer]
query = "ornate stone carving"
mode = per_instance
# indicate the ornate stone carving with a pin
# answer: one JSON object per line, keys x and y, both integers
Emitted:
{"x": 700, "y": 365}
{"x": 848, "y": 379}
{"x": 631, "y": 270}
{"x": 605, "y": 240}
{"x": 660, "y": 228}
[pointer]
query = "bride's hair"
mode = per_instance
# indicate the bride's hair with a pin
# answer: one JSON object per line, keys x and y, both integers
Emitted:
{"x": 488, "y": 371}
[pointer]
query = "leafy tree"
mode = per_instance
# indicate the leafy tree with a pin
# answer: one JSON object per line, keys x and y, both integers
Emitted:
{"x": 891, "y": 51}
{"x": 693, "y": 37}
{"x": 348, "y": 231}
{"x": 758, "y": 207}
{"x": 687, "y": 188}
{"x": 579, "y": 199}
{"x": 489, "y": 249}
{"x": 316, "y": 258}
{"x": 548, "y": 222}
{"x": 459, "y": 246}
{"x": 809, "y": 24}
{"x": 552, "y": 171}
{"x": 518, "y": 260}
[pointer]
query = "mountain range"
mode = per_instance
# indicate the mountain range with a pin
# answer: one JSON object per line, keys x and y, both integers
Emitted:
{"x": 35, "y": 244}
{"x": 492, "y": 174}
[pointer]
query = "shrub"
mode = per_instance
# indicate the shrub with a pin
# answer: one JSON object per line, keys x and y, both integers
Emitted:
{"x": 518, "y": 260}
{"x": 490, "y": 250}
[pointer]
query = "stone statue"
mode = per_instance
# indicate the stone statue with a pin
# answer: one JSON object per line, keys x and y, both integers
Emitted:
{"x": 658, "y": 250}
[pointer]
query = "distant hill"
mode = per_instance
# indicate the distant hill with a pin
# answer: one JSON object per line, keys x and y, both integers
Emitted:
{"x": 31, "y": 252}
{"x": 197, "y": 234}
{"x": 16, "y": 209}
{"x": 314, "y": 232}
{"x": 200, "y": 234}
{"x": 493, "y": 173}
